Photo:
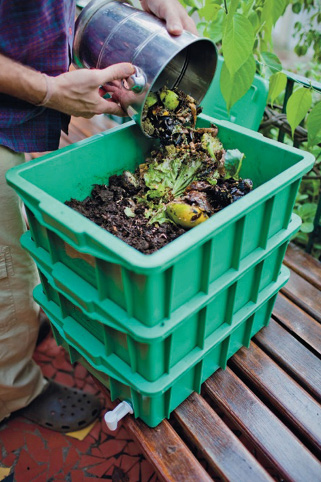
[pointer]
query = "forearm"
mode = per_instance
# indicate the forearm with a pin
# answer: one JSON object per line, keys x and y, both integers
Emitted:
{"x": 74, "y": 93}
{"x": 21, "y": 81}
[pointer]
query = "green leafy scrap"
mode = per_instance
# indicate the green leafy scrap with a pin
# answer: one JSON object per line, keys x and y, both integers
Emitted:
{"x": 233, "y": 163}
{"x": 211, "y": 144}
{"x": 168, "y": 179}
{"x": 129, "y": 212}
{"x": 160, "y": 176}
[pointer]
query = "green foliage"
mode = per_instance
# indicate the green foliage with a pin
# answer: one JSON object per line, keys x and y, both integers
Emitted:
{"x": 233, "y": 87}
{"x": 306, "y": 212}
{"x": 277, "y": 85}
{"x": 270, "y": 64}
{"x": 306, "y": 206}
{"x": 298, "y": 106}
{"x": 314, "y": 125}
{"x": 237, "y": 41}
{"x": 242, "y": 30}
{"x": 308, "y": 33}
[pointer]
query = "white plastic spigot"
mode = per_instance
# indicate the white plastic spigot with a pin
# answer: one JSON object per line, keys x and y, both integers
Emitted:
{"x": 112, "y": 417}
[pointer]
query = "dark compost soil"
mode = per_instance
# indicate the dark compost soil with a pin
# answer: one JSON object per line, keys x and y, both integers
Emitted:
{"x": 106, "y": 207}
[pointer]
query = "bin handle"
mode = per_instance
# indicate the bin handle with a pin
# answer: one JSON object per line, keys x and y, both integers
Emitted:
{"x": 136, "y": 82}
{"x": 67, "y": 231}
{"x": 76, "y": 335}
{"x": 58, "y": 280}
{"x": 63, "y": 279}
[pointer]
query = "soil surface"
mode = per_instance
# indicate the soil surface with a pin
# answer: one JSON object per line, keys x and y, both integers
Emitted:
{"x": 190, "y": 178}
{"x": 106, "y": 207}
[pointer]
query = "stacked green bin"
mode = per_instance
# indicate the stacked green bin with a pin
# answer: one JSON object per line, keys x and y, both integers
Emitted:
{"x": 154, "y": 401}
{"x": 156, "y": 326}
{"x": 176, "y": 339}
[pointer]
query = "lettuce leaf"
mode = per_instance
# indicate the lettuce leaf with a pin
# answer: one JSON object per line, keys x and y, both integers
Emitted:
{"x": 168, "y": 179}
{"x": 233, "y": 163}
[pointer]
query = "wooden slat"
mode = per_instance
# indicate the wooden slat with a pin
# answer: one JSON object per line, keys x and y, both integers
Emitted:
{"x": 73, "y": 136}
{"x": 169, "y": 455}
{"x": 270, "y": 436}
{"x": 304, "y": 294}
{"x": 298, "y": 322}
{"x": 85, "y": 129}
{"x": 222, "y": 450}
{"x": 292, "y": 402}
{"x": 292, "y": 356}
{"x": 80, "y": 129}
{"x": 303, "y": 264}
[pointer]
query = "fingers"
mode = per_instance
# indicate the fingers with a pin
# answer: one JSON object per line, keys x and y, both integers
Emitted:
{"x": 190, "y": 26}
{"x": 175, "y": 24}
{"x": 175, "y": 16}
{"x": 109, "y": 106}
{"x": 115, "y": 72}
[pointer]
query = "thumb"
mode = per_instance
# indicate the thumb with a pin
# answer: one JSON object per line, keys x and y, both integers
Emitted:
{"x": 115, "y": 72}
{"x": 174, "y": 26}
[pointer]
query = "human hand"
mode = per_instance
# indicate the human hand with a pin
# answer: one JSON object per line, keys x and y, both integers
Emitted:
{"x": 77, "y": 93}
{"x": 173, "y": 13}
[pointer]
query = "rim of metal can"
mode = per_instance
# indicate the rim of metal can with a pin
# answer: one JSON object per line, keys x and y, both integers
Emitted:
{"x": 82, "y": 21}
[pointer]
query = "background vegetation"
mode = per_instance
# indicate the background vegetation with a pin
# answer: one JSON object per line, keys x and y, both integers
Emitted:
{"x": 242, "y": 30}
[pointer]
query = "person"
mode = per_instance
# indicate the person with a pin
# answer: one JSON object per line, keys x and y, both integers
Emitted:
{"x": 38, "y": 94}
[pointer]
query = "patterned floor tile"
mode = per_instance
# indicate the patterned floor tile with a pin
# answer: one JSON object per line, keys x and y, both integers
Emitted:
{"x": 36, "y": 454}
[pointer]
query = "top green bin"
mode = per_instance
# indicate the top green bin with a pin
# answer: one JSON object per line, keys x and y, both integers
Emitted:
{"x": 153, "y": 288}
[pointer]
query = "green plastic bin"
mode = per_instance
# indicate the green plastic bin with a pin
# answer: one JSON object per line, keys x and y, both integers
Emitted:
{"x": 153, "y": 289}
{"x": 129, "y": 341}
{"x": 154, "y": 401}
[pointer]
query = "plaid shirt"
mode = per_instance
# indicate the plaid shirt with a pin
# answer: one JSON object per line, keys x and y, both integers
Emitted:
{"x": 37, "y": 33}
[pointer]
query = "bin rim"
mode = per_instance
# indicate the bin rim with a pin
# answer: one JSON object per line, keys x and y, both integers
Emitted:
{"x": 108, "y": 247}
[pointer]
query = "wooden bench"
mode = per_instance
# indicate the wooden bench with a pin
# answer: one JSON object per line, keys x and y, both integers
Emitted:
{"x": 260, "y": 419}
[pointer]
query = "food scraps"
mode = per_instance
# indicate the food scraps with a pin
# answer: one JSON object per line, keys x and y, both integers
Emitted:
{"x": 189, "y": 178}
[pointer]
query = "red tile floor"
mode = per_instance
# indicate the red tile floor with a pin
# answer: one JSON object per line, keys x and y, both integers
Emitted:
{"x": 37, "y": 454}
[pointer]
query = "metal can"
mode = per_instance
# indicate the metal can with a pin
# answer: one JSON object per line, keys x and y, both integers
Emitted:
{"x": 112, "y": 31}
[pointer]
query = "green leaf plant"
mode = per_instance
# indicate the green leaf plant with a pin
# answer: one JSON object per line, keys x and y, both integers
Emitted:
{"x": 242, "y": 30}
{"x": 298, "y": 106}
